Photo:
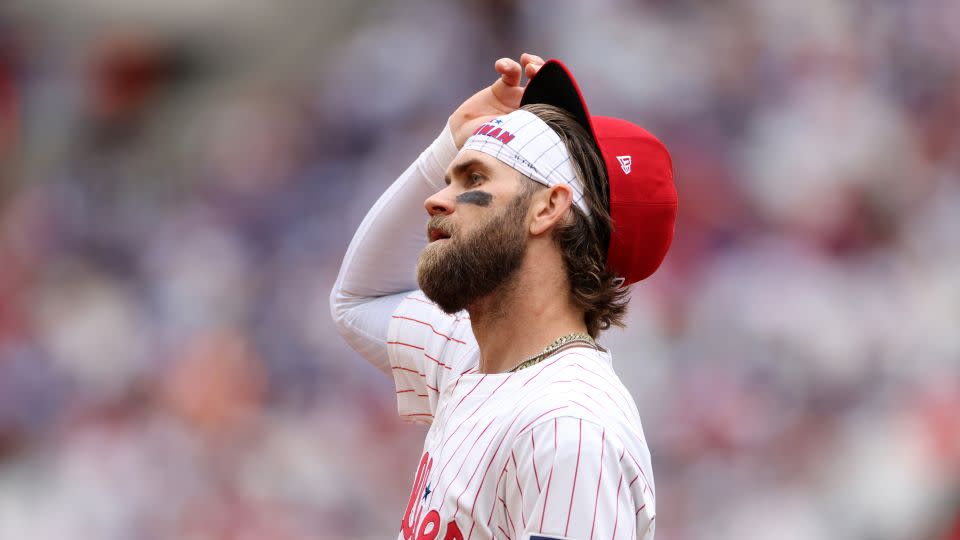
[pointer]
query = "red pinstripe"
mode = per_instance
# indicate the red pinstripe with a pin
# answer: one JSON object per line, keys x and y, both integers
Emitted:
{"x": 473, "y": 413}
{"x": 435, "y": 331}
{"x": 588, "y": 409}
{"x": 576, "y": 470}
{"x": 490, "y": 462}
{"x": 419, "y": 348}
{"x": 596, "y": 405}
{"x": 439, "y": 363}
{"x": 533, "y": 459}
{"x": 456, "y": 383}
{"x": 482, "y": 478}
{"x": 524, "y": 428}
{"x": 589, "y": 369}
{"x": 462, "y": 423}
{"x": 600, "y": 406}
{"x": 546, "y": 495}
{"x": 401, "y": 368}
{"x": 544, "y": 368}
{"x": 493, "y": 458}
{"x": 455, "y": 452}
{"x": 516, "y": 478}
{"x": 468, "y": 394}
{"x": 450, "y": 437}
{"x": 645, "y": 480}
{"x": 642, "y": 506}
{"x": 596, "y": 499}
{"x": 464, "y": 462}
{"x": 625, "y": 397}
{"x": 410, "y": 390}
{"x": 615, "y": 402}
{"x": 496, "y": 489}
{"x": 418, "y": 414}
{"x": 591, "y": 398}
{"x": 616, "y": 516}
{"x": 494, "y": 391}
{"x": 507, "y": 511}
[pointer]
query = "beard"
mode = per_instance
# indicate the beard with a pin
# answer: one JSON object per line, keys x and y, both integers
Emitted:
{"x": 464, "y": 269}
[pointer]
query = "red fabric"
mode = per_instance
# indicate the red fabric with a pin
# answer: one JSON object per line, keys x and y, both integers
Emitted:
{"x": 643, "y": 202}
{"x": 643, "y": 199}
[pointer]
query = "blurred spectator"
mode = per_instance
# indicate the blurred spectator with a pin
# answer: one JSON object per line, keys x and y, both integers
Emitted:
{"x": 186, "y": 177}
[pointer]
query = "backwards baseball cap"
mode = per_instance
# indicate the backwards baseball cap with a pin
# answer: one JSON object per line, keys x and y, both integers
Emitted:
{"x": 643, "y": 199}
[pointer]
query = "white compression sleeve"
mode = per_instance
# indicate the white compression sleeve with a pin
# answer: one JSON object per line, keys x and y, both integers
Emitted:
{"x": 378, "y": 269}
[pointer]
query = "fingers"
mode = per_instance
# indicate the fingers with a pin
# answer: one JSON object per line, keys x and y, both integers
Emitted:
{"x": 527, "y": 58}
{"x": 509, "y": 71}
{"x": 506, "y": 90}
{"x": 531, "y": 64}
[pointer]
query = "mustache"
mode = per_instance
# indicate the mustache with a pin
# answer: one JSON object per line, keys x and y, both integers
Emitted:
{"x": 441, "y": 224}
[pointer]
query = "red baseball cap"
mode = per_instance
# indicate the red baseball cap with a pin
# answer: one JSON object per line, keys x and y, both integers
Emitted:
{"x": 643, "y": 199}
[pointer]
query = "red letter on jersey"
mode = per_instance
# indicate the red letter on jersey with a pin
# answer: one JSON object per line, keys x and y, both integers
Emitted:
{"x": 408, "y": 526}
{"x": 431, "y": 521}
{"x": 453, "y": 532}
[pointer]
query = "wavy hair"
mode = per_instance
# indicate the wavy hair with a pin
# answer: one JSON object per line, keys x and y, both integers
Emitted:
{"x": 583, "y": 240}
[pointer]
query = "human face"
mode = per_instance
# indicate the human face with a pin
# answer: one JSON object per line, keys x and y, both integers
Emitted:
{"x": 477, "y": 232}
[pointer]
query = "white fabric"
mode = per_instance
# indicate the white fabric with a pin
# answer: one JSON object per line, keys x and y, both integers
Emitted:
{"x": 383, "y": 253}
{"x": 556, "y": 448}
{"x": 525, "y": 142}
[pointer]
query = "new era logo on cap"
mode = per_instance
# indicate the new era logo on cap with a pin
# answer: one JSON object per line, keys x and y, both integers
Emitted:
{"x": 643, "y": 206}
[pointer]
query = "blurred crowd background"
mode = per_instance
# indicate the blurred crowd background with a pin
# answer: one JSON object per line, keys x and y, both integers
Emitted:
{"x": 180, "y": 180}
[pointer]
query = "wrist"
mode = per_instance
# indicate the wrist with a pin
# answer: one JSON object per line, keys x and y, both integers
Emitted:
{"x": 457, "y": 123}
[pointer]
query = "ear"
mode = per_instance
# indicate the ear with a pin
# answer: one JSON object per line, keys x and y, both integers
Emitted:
{"x": 549, "y": 208}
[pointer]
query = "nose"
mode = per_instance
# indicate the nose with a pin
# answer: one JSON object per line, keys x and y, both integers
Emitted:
{"x": 439, "y": 203}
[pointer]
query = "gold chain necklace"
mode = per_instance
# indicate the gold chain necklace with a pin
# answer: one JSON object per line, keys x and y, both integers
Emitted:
{"x": 574, "y": 337}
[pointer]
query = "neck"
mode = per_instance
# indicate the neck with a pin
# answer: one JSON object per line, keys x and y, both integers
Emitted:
{"x": 523, "y": 316}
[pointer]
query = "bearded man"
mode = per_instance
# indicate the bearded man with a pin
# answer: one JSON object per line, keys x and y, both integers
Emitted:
{"x": 540, "y": 215}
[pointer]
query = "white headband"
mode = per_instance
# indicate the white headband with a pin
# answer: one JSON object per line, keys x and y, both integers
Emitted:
{"x": 525, "y": 142}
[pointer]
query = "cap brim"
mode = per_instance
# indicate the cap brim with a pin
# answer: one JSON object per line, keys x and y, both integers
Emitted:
{"x": 554, "y": 85}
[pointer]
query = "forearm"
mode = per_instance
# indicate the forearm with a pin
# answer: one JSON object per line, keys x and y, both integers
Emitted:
{"x": 382, "y": 256}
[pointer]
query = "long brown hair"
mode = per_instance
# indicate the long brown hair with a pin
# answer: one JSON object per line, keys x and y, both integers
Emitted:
{"x": 583, "y": 240}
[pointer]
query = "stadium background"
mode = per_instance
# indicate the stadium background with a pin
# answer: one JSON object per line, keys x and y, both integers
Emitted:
{"x": 180, "y": 180}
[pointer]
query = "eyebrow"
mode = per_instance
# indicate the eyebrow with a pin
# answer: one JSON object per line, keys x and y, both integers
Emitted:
{"x": 461, "y": 169}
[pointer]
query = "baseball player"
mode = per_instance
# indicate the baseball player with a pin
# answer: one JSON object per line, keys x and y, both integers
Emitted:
{"x": 539, "y": 215}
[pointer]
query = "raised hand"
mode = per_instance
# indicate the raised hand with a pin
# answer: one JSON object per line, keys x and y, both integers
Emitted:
{"x": 501, "y": 97}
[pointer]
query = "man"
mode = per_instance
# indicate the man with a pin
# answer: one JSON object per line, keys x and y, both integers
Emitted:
{"x": 538, "y": 219}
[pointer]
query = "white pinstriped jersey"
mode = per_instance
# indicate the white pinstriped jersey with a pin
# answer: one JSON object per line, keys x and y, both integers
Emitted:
{"x": 555, "y": 450}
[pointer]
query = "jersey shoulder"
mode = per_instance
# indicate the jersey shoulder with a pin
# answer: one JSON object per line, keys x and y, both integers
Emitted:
{"x": 581, "y": 383}
{"x": 584, "y": 399}
{"x": 427, "y": 349}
